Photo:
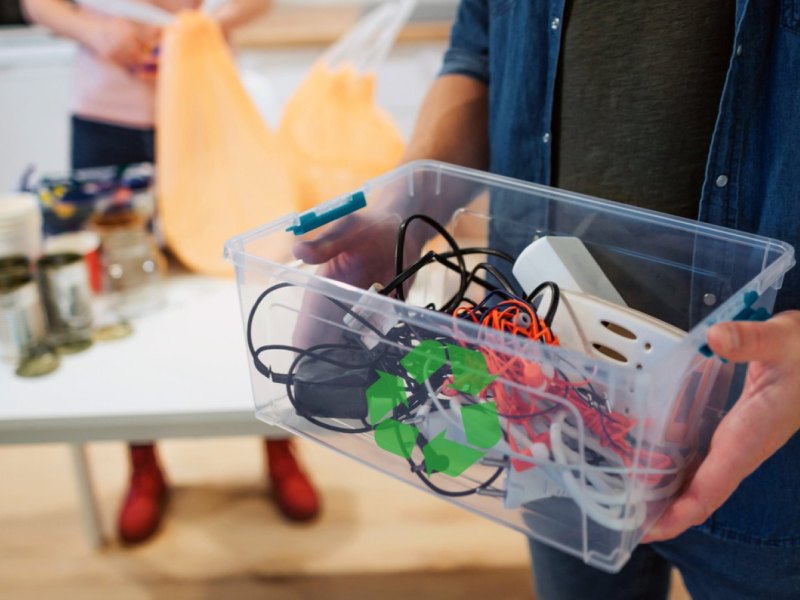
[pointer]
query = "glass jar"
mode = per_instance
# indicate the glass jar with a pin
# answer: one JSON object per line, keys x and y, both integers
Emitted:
{"x": 132, "y": 263}
{"x": 67, "y": 299}
{"x": 22, "y": 328}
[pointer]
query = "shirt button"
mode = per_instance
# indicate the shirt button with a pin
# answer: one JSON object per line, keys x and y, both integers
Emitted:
{"x": 722, "y": 181}
{"x": 555, "y": 23}
{"x": 546, "y": 138}
{"x": 709, "y": 299}
{"x": 739, "y": 50}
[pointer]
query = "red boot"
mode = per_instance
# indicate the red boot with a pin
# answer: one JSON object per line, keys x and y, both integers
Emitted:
{"x": 143, "y": 507}
{"x": 295, "y": 495}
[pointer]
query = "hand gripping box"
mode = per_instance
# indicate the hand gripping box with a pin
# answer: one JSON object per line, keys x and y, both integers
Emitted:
{"x": 535, "y": 356}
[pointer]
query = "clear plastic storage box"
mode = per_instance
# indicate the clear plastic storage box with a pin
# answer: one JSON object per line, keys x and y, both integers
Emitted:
{"x": 558, "y": 383}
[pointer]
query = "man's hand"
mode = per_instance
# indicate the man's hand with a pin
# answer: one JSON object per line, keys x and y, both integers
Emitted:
{"x": 358, "y": 250}
{"x": 763, "y": 419}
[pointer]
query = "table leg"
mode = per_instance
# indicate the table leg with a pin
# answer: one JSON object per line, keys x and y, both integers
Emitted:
{"x": 90, "y": 514}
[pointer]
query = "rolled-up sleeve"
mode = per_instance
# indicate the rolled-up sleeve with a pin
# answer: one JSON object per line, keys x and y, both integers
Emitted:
{"x": 468, "y": 53}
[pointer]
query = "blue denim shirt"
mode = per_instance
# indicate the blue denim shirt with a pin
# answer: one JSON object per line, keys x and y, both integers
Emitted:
{"x": 752, "y": 180}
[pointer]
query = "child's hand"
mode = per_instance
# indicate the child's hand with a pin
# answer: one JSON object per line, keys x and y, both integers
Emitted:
{"x": 128, "y": 44}
{"x": 148, "y": 70}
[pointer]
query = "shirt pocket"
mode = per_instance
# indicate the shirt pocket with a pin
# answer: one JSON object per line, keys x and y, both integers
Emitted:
{"x": 790, "y": 15}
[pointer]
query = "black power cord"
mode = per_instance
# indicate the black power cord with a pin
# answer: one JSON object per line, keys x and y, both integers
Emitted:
{"x": 329, "y": 381}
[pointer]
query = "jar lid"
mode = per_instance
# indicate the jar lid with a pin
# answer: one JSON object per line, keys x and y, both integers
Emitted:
{"x": 14, "y": 261}
{"x": 60, "y": 259}
{"x": 14, "y": 278}
{"x": 41, "y": 362}
{"x": 82, "y": 242}
{"x": 118, "y": 219}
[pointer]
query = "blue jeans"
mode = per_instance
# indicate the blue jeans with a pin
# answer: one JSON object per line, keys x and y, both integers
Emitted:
{"x": 748, "y": 549}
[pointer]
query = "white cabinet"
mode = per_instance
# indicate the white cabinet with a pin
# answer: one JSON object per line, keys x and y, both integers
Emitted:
{"x": 34, "y": 96}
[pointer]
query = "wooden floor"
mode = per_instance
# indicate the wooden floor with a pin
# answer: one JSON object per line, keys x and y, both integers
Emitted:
{"x": 223, "y": 538}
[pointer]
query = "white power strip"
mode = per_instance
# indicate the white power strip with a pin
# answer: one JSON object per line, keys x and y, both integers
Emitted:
{"x": 565, "y": 261}
{"x": 612, "y": 332}
{"x": 592, "y": 317}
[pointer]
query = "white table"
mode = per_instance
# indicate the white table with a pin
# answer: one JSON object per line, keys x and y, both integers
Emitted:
{"x": 183, "y": 372}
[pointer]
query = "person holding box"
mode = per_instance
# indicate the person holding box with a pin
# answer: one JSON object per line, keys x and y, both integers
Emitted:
{"x": 689, "y": 109}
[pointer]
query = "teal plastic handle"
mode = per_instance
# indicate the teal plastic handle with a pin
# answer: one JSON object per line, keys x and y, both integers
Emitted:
{"x": 311, "y": 219}
{"x": 746, "y": 314}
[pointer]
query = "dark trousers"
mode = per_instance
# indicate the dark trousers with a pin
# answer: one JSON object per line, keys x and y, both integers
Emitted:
{"x": 97, "y": 144}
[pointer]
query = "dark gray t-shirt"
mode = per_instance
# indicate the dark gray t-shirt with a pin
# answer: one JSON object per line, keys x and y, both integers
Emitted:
{"x": 637, "y": 97}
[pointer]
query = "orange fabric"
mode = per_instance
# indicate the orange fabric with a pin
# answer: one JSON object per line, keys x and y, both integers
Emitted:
{"x": 220, "y": 170}
{"x": 335, "y": 134}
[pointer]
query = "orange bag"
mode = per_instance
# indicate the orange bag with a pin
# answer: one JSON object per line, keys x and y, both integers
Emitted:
{"x": 332, "y": 130}
{"x": 220, "y": 170}
{"x": 335, "y": 135}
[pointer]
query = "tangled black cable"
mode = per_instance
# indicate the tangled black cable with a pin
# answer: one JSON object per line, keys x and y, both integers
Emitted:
{"x": 403, "y": 274}
{"x": 385, "y": 357}
{"x": 351, "y": 355}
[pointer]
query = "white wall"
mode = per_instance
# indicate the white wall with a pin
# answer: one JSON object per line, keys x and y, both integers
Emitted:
{"x": 34, "y": 120}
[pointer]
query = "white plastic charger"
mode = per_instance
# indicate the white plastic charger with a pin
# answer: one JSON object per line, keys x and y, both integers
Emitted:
{"x": 592, "y": 317}
{"x": 565, "y": 261}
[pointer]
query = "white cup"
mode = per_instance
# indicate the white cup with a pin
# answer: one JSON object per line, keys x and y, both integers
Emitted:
{"x": 20, "y": 225}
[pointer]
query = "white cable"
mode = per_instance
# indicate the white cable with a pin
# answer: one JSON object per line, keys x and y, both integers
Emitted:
{"x": 610, "y": 487}
{"x": 614, "y": 519}
{"x": 649, "y": 493}
{"x": 608, "y": 498}
{"x": 604, "y": 489}
{"x": 539, "y": 452}
{"x": 445, "y": 413}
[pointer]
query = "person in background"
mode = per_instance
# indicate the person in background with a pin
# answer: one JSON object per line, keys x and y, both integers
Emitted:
{"x": 113, "y": 99}
{"x": 689, "y": 108}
